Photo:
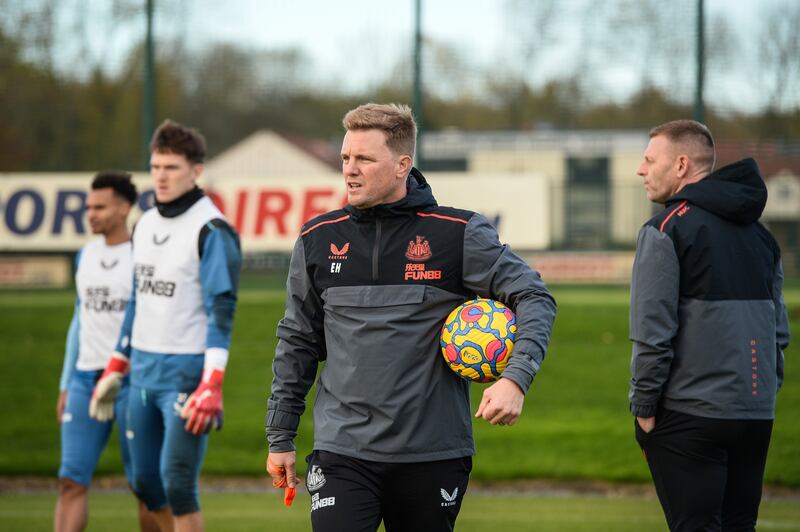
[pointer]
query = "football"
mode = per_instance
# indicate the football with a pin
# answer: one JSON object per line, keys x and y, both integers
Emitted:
{"x": 477, "y": 339}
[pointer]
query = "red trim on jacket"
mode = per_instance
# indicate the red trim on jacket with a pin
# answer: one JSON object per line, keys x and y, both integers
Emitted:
{"x": 442, "y": 217}
{"x": 676, "y": 209}
{"x": 345, "y": 217}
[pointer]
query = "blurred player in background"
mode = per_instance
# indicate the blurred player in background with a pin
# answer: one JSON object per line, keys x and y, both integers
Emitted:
{"x": 176, "y": 332}
{"x": 392, "y": 424}
{"x": 103, "y": 281}
{"x": 709, "y": 327}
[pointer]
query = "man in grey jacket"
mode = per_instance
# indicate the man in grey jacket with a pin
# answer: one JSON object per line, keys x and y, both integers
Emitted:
{"x": 392, "y": 424}
{"x": 709, "y": 327}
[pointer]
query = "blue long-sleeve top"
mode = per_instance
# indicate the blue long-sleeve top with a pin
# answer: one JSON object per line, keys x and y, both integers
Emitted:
{"x": 71, "y": 349}
{"x": 72, "y": 346}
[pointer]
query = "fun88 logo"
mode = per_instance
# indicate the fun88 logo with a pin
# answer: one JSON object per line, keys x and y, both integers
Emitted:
{"x": 317, "y": 502}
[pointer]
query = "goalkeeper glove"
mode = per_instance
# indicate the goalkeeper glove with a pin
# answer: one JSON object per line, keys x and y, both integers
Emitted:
{"x": 203, "y": 409}
{"x": 101, "y": 407}
{"x": 278, "y": 474}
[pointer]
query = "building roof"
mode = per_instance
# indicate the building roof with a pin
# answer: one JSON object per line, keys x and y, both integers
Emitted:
{"x": 458, "y": 143}
{"x": 773, "y": 157}
{"x": 264, "y": 153}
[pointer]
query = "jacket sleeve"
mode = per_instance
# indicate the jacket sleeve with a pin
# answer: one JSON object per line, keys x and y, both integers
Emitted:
{"x": 220, "y": 264}
{"x": 124, "y": 338}
{"x": 655, "y": 286}
{"x": 301, "y": 346}
{"x": 492, "y": 270}
{"x": 781, "y": 322}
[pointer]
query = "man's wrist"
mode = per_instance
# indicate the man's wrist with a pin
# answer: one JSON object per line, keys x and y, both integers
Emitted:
{"x": 213, "y": 378}
{"x": 282, "y": 447}
{"x": 521, "y": 378}
{"x": 118, "y": 363}
{"x": 216, "y": 358}
{"x": 514, "y": 382}
{"x": 280, "y": 440}
{"x": 644, "y": 410}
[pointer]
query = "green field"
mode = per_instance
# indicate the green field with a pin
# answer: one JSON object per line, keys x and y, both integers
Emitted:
{"x": 480, "y": 512}
{"x": 575, "y": 425}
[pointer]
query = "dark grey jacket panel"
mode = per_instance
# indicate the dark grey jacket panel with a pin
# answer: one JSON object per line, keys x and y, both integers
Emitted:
{"x": 653, "y": 318}
{"x": 782, "y": 322}
{"x": 725, "y": 362}
{"x": 384, "y": 393}
{"x": 492, "y": 270}
{"x": 299, "y": 332}
{"x": 710, "y": 358}
{"x": 708, "y": 322}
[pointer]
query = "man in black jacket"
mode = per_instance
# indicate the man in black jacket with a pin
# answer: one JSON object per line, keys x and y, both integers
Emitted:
{"x": 709, "y": 327}
{"x": 369, "y": 289}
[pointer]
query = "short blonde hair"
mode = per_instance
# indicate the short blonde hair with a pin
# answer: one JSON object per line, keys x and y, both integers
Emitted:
{"x": 396, "y": 120}
{"x": 692, "y": 134}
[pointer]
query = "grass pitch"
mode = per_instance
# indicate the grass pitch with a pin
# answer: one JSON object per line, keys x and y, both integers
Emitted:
{"x": 480, "y": 512}
{"x": 575, "y": 424}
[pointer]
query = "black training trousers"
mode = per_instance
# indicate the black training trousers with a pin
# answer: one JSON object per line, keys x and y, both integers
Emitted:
{"x": 348, "y": 494}
{"x": 707, "y": 472}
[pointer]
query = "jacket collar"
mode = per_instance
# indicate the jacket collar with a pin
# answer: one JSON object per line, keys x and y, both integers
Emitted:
{"x": 419, "y": 196}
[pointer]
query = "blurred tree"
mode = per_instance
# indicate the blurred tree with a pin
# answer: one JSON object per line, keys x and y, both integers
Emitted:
{"x": 779, "y": 70}
{"x": 68, "y": 104}
{"x": 779, "y": 53}
{"x": 534, "y": 30}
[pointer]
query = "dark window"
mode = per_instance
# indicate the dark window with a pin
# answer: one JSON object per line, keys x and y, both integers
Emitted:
{"x": 587, "y": 202}
{"x": 445, "y": 165}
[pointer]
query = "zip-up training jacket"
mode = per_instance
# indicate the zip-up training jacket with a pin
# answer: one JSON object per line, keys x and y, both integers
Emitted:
{"x": 368, "y": 293}
{"x": 708, "y": 322}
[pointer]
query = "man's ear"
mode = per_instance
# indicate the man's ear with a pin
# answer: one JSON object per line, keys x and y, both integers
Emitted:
{"x": 682, "y": 164}
{"x": 404, "y": 164}
{"x": 126, "y": 207}
{"x": 197, "y": 171}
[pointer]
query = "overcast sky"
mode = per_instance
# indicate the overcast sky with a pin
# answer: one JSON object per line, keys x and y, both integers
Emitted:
{"x": 356, "y": 43}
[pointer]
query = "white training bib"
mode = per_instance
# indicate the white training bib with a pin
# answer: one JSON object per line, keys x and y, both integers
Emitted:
{"x": 103, "y": 281}
{"x": 170, "y": 317}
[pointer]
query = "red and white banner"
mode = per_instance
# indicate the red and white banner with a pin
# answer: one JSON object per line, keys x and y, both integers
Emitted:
{"x": 46, "y": 212}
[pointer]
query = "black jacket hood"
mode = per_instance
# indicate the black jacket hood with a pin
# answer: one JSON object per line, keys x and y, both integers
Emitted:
{"x": 735, "y": 192}
{"x": 419, "y": 196}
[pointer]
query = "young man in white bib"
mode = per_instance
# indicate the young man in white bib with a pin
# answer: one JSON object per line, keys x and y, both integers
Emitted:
{"x": 103, "y": 282}
{"x": 175, "y": 337}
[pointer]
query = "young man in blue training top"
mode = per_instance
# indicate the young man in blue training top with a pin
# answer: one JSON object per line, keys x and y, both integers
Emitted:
{"x": 176, "y": 333}
{"x": 103, "y": 281}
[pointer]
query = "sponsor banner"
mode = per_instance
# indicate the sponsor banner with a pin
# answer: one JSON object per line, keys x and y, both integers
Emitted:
{"x": 35, "y": 272}
{"x": 583, "y": 267}
{"x": 45, "y": 212}
{"x": 518, "y": 206}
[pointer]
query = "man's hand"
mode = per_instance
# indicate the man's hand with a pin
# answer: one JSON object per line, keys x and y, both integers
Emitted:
{"x": 101, "y": 407}
{"x": 203, "y": 409}
{"x": 62, "y": 402}
{"x": 281, "y": 467}
{"x": 501, "y": 403}
{"x": 646, "y": 423}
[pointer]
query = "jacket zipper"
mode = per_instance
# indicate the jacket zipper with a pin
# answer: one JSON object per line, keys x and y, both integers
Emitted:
{"x": 376, "y": 251}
